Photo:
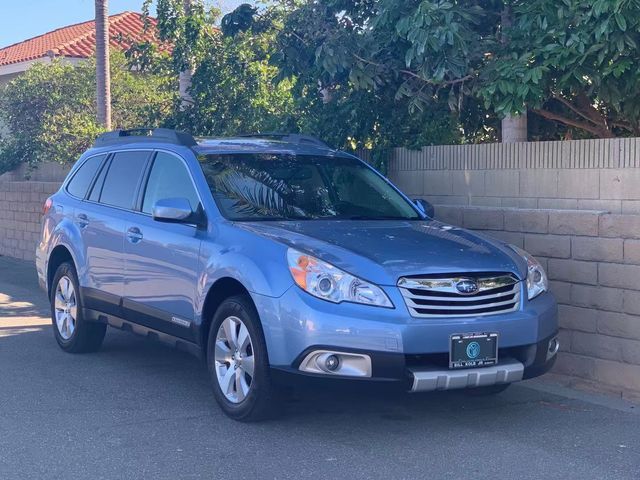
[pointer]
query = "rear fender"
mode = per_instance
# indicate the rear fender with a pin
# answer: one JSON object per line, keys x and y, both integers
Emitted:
{"x": 67, "y": 234}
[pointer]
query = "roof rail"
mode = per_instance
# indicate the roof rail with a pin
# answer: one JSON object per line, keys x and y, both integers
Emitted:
{"x": 136, "y": 135}
{"x": 288, "y": 137}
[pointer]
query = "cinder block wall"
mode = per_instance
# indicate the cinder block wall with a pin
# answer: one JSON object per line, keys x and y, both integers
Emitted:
{"x": 20, "y": 215}
{"x": 578, "y": 175}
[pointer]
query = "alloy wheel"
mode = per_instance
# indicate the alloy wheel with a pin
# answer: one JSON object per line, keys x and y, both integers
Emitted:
{"x": 66, "y": 307}
{"x": 234, "y": 361}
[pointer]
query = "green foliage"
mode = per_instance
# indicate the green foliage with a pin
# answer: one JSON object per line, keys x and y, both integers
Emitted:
{"x": 423, "y": 52}
{"x": 351, "y": 64}
{"x": 572, "y": 61}
{"x": 50, "y": 110}
{"x": 235, "y": 92}
{"x": 569, "y": 61}
{"x": 234, "y": 89}
{"x": 360, "y": 74}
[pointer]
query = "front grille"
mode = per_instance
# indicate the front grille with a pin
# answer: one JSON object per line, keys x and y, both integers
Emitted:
{"x": 440, "y": 296}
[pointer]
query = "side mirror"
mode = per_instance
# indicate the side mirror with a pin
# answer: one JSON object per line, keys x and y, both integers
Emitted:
{"x": 425, "y": 207}
{"x": 173, "y": 210}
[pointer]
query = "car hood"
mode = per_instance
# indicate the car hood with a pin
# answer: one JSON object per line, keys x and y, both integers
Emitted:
{"x": 384, "y": 250}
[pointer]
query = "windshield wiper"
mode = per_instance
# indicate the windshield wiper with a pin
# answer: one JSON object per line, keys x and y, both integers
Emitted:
{"x": 378, "y": 217}
{"x": 271, "y": 219}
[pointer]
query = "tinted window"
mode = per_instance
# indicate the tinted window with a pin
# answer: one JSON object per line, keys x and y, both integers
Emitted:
{"x": 81, "y": 180}
{"x": 169, "y": 178}
{"x": 304, "y": 187}
{"x": 122, "y": 179}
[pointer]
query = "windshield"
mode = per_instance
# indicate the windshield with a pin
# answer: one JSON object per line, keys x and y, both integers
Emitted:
{"x": 302, "y": 187}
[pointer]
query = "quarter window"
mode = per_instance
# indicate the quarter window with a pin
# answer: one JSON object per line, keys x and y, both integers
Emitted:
{"x": 122, "y": 179}
{"x": 94, "y": 196}
{"x": 169, "y": 178}
{"x": 81, "y": 180}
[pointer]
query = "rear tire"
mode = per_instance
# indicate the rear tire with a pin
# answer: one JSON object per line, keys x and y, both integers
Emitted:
{"x": 73, "y": 333}
{"x": 238, "y": 362}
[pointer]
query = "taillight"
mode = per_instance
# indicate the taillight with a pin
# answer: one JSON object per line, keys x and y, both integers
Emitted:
{"x": 47, "y": 205}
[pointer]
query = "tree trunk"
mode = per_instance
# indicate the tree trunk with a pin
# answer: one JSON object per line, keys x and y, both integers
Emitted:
{"x": 514, "y": 127}
{"x": 184, "y": 79}
{"x": 103, "y": 73}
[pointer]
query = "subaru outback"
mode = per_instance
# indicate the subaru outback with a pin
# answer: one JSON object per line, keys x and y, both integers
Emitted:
{"x": 278, "y": 259}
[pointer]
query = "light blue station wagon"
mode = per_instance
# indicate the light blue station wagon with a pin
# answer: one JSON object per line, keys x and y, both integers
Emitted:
{"x": 280, "y": 260}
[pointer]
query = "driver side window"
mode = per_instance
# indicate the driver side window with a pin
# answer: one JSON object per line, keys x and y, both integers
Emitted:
{"x": 169, "y": 178}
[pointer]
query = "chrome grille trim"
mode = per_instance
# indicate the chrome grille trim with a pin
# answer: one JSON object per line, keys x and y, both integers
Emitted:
{"x": 449, "y": 284}
{"x": 438, "y": 296}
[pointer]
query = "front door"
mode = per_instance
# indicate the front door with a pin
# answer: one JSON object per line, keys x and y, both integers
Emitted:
{"x": 161, "y": 259}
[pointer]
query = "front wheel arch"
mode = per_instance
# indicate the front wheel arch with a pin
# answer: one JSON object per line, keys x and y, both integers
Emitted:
{"x": 222, "y": 289}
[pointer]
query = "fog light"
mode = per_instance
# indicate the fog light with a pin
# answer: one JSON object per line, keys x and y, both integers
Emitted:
{"x": 332, "y": 363}
{"x": 329, "y": 362}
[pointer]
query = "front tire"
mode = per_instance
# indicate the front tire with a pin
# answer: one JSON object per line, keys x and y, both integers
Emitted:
{"x": 238, "y": 362}
{"x": 73, "y": 333}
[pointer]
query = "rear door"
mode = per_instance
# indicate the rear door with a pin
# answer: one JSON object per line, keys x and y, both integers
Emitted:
{"x": 161, "y": 259}
{"x": 102, "y": 218}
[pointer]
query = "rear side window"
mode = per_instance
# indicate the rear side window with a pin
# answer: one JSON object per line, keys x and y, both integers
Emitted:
{"x": 122, "y": 179}
{"x": 169, "y": 178}
{"x": 81, "y": 180}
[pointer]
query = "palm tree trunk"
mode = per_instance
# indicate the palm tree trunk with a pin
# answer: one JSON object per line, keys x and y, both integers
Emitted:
{"x": 103, "y": 73}
{"x": 184, "y": 79}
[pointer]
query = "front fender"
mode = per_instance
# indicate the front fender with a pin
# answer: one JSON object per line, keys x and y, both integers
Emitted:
{"x": 258, "y": 264}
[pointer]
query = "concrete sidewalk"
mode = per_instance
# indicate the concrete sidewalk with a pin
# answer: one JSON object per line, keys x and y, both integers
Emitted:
{"x": 138, "y": 409}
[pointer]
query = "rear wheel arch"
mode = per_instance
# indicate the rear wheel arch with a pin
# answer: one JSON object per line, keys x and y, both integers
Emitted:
{"x": 222, "y": 289}
{"x": 59, "y": 255}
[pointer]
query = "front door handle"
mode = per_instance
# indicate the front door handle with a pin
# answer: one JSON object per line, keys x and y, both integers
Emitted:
{"x": 82, "y": 220}
{"x": 134, "y": 235}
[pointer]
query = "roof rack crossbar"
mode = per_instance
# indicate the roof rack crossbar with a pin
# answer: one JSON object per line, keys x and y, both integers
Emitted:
{"x": 288, "y": 137}
{"x": 136, "y": 135}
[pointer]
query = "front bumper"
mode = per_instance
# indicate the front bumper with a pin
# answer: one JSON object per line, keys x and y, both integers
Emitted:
{"x": 401, "y": 347}
{"x": 421, "y": 373}
{"x": 296, "y": 321}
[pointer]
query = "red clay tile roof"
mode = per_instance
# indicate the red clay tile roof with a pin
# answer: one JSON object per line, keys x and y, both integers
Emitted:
{"x": 78, "y": 41}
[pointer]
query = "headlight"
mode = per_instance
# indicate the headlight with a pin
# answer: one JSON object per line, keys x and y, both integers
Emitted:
{"x": 323, "y": 280}
{"x": 537, "y": 281}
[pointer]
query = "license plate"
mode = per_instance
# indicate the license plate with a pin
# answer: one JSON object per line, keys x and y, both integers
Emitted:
{"x": 473, "y": 350}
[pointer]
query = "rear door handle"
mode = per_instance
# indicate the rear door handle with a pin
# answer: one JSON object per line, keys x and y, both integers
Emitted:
{"x": 134, "y": 235}
{"x": 82, "y": 220}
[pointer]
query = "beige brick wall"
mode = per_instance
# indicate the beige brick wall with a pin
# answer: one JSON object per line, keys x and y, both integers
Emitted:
{"x": 20, "y": 215}
{"x": 593, "y": 263}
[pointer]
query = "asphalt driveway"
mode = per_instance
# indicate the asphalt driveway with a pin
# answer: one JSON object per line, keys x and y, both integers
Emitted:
{"x": 138, "y": 409}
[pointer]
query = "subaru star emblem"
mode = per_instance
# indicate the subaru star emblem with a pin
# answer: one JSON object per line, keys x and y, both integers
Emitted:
{"x": 473, "y": 350}
{"x": 467, "y": 286}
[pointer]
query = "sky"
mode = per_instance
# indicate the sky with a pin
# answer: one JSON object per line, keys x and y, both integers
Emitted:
{"x": 22, "y": 19}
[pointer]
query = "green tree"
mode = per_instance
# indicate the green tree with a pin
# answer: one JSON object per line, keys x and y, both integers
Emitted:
{"x": 569, "y": 61}
{"x": 50, "y": 110}
{"x": 233, "y": 88}
{"x": 363, "y": 80}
